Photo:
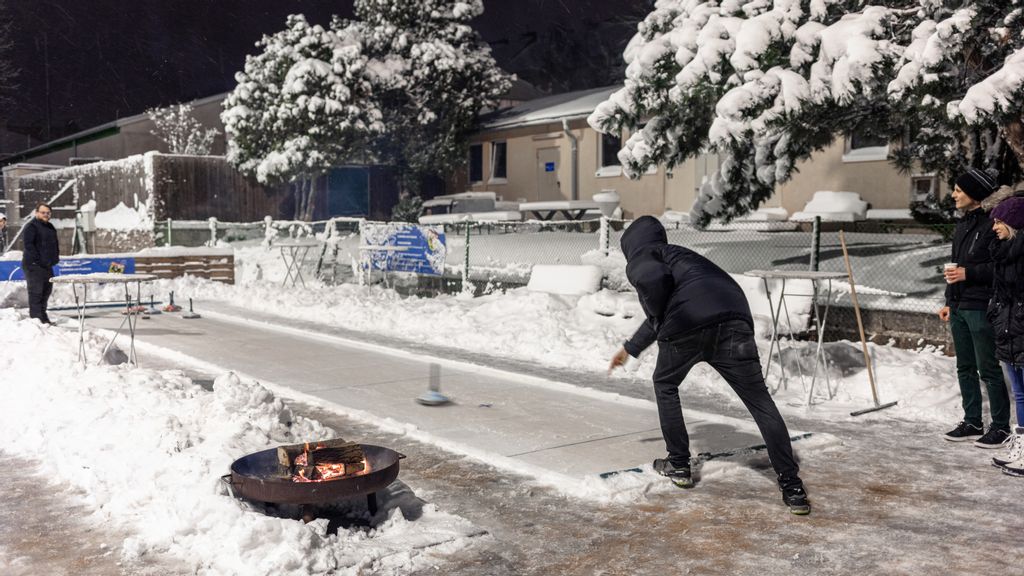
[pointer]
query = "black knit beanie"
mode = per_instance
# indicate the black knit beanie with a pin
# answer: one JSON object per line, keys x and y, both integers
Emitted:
{"x": 977, "y": 184}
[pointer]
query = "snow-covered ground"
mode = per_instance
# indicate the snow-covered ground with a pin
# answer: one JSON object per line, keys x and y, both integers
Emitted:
{"x": 146, "y": 448}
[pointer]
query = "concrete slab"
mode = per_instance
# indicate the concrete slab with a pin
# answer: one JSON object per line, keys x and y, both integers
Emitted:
{"x": 558, "y": 428}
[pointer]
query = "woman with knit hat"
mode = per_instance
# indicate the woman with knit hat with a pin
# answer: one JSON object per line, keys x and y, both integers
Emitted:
{"x": 1006, "y": 312}
{"x": 968, "y": 291}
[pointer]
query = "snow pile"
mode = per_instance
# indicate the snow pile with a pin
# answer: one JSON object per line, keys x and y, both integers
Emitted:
{"x": 565, "y": 279}
{"x": 121, "y": 217}
{"x": 148, "y": 448}
{"x": 834, "y": 207}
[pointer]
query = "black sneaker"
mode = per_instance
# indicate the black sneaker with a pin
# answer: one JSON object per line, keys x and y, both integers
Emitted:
{"x": 795, "y": 497}
{"x": 994, "y": 438}
{"x": 679, "y": 475}
{"x": 963, "y": 432}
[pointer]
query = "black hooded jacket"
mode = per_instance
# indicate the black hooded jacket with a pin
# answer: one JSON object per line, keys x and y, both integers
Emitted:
{"x": 680, "y": 290}
{"x": 1006, "y": 312}
{"x": 971, "y": 241}
{"x": 41, "y": 247}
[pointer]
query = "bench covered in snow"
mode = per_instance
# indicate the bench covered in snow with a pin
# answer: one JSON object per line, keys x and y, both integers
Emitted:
{"x": 570, "y": 209}
{"x": 833, "y": 207}
{"x": 889, "y": 214}
{"x": 460, "y": 217}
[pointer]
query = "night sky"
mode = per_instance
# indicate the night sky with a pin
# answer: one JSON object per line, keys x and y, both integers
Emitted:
{"x": 88, "y": 62}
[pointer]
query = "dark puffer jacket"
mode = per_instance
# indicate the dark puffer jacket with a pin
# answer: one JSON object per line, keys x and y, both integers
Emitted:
{"x": 1006, "y": 312}
{"x": 971, "y": 241}
{"x": 680, "y": 290}
{"x": 41, "y": 247}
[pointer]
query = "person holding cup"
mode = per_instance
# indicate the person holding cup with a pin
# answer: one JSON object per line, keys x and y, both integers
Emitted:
{"x": 968, "y": 277}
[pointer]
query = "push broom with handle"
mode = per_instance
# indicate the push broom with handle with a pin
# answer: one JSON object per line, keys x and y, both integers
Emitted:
{"x": 863, "y": 340}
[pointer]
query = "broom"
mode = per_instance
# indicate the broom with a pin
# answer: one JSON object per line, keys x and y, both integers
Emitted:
{"x": 863, "y": 340}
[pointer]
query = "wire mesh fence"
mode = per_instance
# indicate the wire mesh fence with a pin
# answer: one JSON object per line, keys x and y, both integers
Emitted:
{"x": 896, "y": 267}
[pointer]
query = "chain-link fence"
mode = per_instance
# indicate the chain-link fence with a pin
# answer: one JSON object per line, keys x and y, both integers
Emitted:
{"x": 896, "y": 267}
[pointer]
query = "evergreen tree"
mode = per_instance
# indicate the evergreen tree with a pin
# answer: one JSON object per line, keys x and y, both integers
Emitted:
{"x": 302, "y": 105}
{"x": 765, "y": 84}
{"x": 433, "y": 75}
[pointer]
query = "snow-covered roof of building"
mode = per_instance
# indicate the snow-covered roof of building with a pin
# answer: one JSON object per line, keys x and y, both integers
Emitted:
{"x": 567, "y": 106}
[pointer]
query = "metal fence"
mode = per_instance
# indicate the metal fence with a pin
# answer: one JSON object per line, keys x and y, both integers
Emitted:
{"x": 896, "y": 267}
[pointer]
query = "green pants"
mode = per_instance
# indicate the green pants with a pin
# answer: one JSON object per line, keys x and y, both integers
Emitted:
{"x": 976, "y": 354}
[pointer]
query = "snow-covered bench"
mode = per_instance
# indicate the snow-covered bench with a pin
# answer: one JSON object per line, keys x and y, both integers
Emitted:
{"x": 889, "y": 214}
{"x": 570, "y": 209}
{"x": 761, "y": 220}
{"x": 833, "y": 207}
{"x": 460, "y": 217}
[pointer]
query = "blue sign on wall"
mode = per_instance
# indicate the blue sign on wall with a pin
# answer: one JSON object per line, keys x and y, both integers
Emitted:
{"x": 404, "y": 248}
{"x": 10, "y": 270}
{"x": 549, "y": 166}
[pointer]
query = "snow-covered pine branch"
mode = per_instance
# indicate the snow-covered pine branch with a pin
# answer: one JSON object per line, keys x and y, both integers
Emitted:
{"x": 180, "y": 131}
{"x": 763, "y": 84}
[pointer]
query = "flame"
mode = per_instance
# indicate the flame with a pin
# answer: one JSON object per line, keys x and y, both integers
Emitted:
{"x": 329, "y": 472}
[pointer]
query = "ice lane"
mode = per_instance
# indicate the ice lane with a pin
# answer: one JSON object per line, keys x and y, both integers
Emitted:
{"x": 515, "y": 421}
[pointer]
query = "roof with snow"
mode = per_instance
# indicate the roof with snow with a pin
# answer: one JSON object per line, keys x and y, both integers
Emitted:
{"x": 567, "y": 106}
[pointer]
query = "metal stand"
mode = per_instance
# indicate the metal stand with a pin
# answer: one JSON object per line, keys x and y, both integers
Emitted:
{"x": 294, "y": 255}
{"x": 820, "y": 313}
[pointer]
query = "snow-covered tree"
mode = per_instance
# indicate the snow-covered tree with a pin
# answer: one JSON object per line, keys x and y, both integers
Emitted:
{"x": 763, "y": 84}
{"x": 302, "y": 105}
{"x": 182, "y": 133}
{"x": 432, "y": 75}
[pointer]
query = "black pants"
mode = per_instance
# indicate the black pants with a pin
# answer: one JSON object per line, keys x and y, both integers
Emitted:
{"x": 39, "y": 289}
{"x": 730, "y": 349}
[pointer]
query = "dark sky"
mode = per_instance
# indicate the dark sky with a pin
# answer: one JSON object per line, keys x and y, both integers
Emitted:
{"x": 87, "y": 62}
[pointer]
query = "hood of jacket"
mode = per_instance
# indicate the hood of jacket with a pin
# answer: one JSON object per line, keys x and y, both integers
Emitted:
{"x": 645, "y": 231}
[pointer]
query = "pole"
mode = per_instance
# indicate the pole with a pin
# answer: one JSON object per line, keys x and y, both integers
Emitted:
{"x": 860, "y": 328}
{"x": 815, "y": 243}
{"x": 465, "y": 264}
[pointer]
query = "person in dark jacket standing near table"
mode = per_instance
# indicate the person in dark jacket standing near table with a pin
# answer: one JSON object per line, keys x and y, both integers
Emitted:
{"x": 1006, "y": 312}
{"x": 968, "y": 290}
{"x": 41, "y": 254}
{"x": 697, "y": 312}
{"x": 3, "y": 232}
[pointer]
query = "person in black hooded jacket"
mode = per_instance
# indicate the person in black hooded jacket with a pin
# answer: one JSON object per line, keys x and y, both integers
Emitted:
{"x": 697, "y": 312}
{"x": 42, "y": 252}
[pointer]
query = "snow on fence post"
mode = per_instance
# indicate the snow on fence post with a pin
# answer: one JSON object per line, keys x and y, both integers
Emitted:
{"x": 170, "y": 228}
{"x": 213, "y": 230}
{"x": 268, "y": 231}
{"x": 603, "y": 237}
{"x": 815, "y": 243}
{"x": 466, "y": 286}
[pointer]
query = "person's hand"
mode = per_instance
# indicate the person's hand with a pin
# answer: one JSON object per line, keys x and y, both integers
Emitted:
{"x": 944, "y": 314}
{"x": 955, "y": 275}
{"x": 618, "y": 359}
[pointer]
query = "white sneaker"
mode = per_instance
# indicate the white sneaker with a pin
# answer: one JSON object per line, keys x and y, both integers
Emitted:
{"x": 1016, "y": 453}
{"x": 1015, "y": 468}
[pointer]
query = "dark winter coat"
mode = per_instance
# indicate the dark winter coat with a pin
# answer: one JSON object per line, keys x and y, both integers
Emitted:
{"x": 971, "y": 241}
{"x": 1006, "y": 312}
{"x": 41, "y": 247}
{"x": 680, "y": 291}
{"x": 3, "y": 240}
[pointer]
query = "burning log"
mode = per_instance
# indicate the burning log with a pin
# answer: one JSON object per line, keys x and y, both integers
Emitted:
{"x": 318, "y": 461}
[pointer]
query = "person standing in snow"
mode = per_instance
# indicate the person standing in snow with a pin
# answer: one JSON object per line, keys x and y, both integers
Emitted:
{"x": 1006, "y": 312}
{"x": 968, "y": 290}
{"x": 3, "y": 232}
{"x": 42, "y": 252}
{"x": 697, "y": 312}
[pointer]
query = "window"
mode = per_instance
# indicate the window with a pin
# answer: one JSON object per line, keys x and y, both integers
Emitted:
{"x": 862, "y": 145}
{"x": 923, "y": 188}
{"x": 609, "y": 155}
{"x": 476, "y": 162}
{"x": 499, "y": 161}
